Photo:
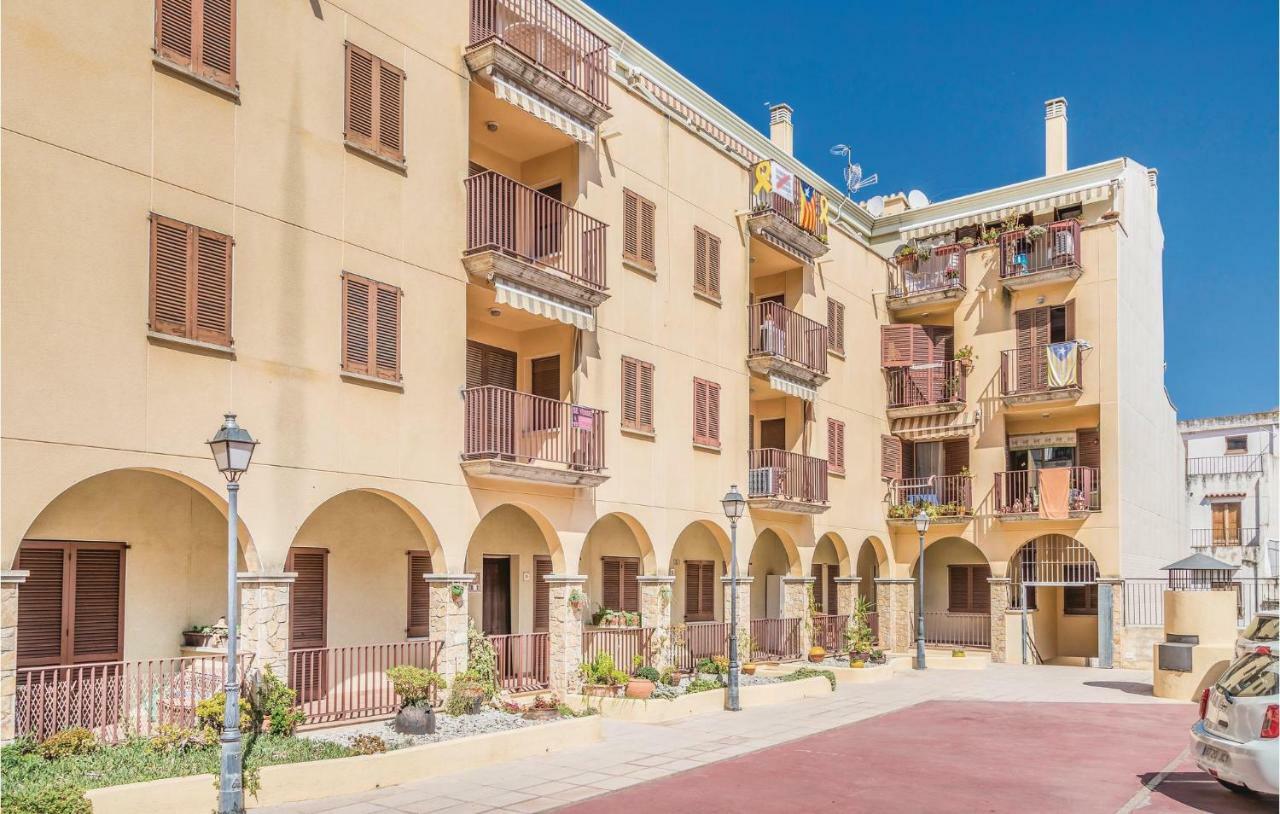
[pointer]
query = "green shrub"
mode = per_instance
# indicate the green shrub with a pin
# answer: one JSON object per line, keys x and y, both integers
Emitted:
{"x": 275, "y": 703}
{"x": 716, "y": 665}
{"x": 209, "y": 713}
{"x": 467, "y": 687}
{"x": 601, "y": 670}
{"x": 170, "y": 738}
{"x": 415, "y": 685}
{"x": 62, "y": 798}
{"x": 368, "y": 744}
{"x": 809, "y": 672}
{"x": 68, "y": 742}
{"x": 702, "y": 685}
{"x": 482, "y": 660}
{"x": 649, "y": 673}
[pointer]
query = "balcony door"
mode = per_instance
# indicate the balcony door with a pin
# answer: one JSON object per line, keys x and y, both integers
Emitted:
{"x": 548, "y": 225}
{"x": 1036, "y": 328}
{"x": 1226, "y": 523}
{"x": 494, "y": 416}
{"x": 773, "y": 433}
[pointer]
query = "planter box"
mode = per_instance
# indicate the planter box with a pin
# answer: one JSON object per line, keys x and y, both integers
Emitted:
{"x": 294, "y": 782}
{"x": 657, "y": 710}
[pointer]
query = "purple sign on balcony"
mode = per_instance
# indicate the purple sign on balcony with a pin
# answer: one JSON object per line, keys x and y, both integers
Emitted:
{"x": 582, "y": 418}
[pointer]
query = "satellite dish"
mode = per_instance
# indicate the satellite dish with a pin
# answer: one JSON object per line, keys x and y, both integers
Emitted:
{"x": 917, "y": 199}
{"x": 876, "y": 206}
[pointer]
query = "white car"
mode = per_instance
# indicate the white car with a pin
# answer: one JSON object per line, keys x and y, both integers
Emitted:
{"x": 1238, "y": 733}
{"x": 1261, "y": 632}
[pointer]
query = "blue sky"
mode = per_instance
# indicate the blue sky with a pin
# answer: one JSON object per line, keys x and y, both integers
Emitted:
{"x": 947, "y": 98}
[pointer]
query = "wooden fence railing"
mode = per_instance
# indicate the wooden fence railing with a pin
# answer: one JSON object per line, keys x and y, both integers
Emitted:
{"x": 698, "y": 641}
{"x": 549, "y": 36}
{"x": 946, "y": 629}
{"x": 624, "y": 644}
{"x": 508, "y": 425}
{"x": 788, "y": 475}
{"x": 829, "y": 630}
{"x": 523, "y": 661}
{"x": 350, "y": 683}
{"x": 775, "y": 638}
{"x": 775, "y": 330}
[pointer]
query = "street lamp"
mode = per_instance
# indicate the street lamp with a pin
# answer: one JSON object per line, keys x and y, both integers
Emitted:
{"x": 734, "y": 505}
{"x": 922, "y": 526}
{"x": 232, "y": 447}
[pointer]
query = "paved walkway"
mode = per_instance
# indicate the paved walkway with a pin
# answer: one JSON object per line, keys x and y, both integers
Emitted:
{"x": 636, "y": 753}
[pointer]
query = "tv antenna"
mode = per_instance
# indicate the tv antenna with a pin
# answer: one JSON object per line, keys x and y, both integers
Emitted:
{"x": 854, "y": 180}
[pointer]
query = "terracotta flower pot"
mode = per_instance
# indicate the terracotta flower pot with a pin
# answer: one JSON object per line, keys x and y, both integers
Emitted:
{"x": 749, "y": 668}
{"x": 640, "y": 688}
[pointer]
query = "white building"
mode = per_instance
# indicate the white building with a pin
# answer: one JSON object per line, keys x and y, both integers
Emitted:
{"x": 1232, "y": 512}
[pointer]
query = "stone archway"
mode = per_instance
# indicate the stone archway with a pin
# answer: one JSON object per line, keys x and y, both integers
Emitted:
{"x": 957, "y": 594}
{"x": 615, "y": 553}
{"x": 1068, "y": 614}
{"x": 699, "y": 558}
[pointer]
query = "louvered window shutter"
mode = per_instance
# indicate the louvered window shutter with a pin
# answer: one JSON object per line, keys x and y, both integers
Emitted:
{"x": 692, "y": 591}
{"x": 541, "y": 594}
{"x": 644, "y": 411}
{"x": 630, "y": 393}
{"x": 707, "y": 590}
{"x": 190, "y": 281}
{"x": 819, "y": 605}
{"x": 903, "y": 345}
{"x": 706, "y": 413}
{"x": 648, "y": 227}
{"x": 631, "y": 584}
{"x": 611, "y": 583}
{"x": 630, "y": 225}
{"x": 370, "y": 327}
{"x": 832, "y": 605}
{"x": 1069, "y": 319}
{"x": 386, "y": 343}
{"x": 1089, "y": 447}
{"x": 308, "y": 598}
{"x": 890, "y": 457}
{"x": 1031, "y": 331}
{"x": 419, "y": 622}
{"x": 959, "y": 599}
{"x": 955, "y": 455}
{"x": 700, "y": 260}
{"x": 835, "y": 445}
{"x": 72, "y": 604}
{"x": 835, "y": 325}
{"x": 981, "y": 589}
{"x": 374, "y": 104}
{"x": 355, "y": 324}
{"x": 199, "y": 35}
{"x": 713, "y": 413}
{"x": 99, "y": 591}
{"x": 40, "y": 603}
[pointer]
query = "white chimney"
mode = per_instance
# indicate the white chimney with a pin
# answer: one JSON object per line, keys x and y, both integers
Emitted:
{"x": 780, "y": 129}
{"x": 1055, "y": 136}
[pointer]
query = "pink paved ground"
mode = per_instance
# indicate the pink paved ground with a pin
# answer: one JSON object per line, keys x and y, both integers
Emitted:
{"x": 943, "y": 756}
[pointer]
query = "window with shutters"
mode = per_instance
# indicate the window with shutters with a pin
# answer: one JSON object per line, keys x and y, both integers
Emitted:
{"x": 370, "y": 328}
{"x": 835, "y": 326}
{"x": 190, "y": 282}
{"x": 706, "y": 264}
{"x": 968, "y": 590}
{"x": 308, "y": 598}
{"x": 699, "y": 591}
{"x": 489, "y": 366}
{"x": 639, "y": 217}
{"x": 71, "y": 608}
{"x": 541, "y": 594}
{"x": 198, "y": 37}
{"x": 895, "y": 458}
{"x": 637, "y": 395}
{"x": 374, "y": 105}
{"x": 419, "y": 621}
{"x": 706, "y": 413}
{"x": 819, "y": 601}
{"x": 619, "y": 583}
{"x": 835, "y": 446}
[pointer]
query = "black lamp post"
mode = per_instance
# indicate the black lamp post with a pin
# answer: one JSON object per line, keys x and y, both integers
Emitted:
{"x": 232, "y": 448}
{"x": 734, "y": 505}
{"x": 922, "y": 526}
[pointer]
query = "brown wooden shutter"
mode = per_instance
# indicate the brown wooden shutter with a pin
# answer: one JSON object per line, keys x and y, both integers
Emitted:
{"x": 1089, "y": 447}
{"x": 835, "y": 445}
{"x": 816, "y": 572}
{"x": 713, "y": 266}
{"x": 891, "y": 455}
{"x": 699, "y": 590}
{"x": 355, "y": 324}
{"x": 955, "y": 455}
{"x": 541, "y": 594}
{"x": 308, "y": 598}
{"x": 904, "y": 345}
{"x": 980, "y": 588}
{"x": 941, "y": 343}
{"x": 832, "y": 605}
{"x": 171, "y": 252}
{"x": 386, "y": 338}
{"x": 1069, "y": 319}
{"x": 545, "y": 378}
{"x": 419, "y": 622}
{"x": 611, "y": 583}
{"x": 40, "y": 602}
{"x": 707, "y": 590}
{"x": 212, "y": 321}
{"x": 199, "y": 35}
{"x": 374, "y": 104}
{"x": 835, "y": 325}
{"x": 370, "y": 327}
{"x": 631, "y": 584}
{"x": 190, "y": 281}
{"x": 706, "y": 412}
{"x": 99, "y": 604}
{"x": 638, "y": 224}
{"x": 959, "y": 599}
{"x": 490, "y": 366}
{"x": 644, "y": 395}
{"x": 1031, "y": 331}
{"x": 648, "y": 228}
{"x": 706, "y": 263}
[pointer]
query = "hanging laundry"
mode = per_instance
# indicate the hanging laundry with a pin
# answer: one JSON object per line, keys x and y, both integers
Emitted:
{"x": 1063, "y": 363}
{"x": 1055, "y": 493}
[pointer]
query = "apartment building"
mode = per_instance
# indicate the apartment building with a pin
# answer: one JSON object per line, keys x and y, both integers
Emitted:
{"x": 1230, "y": 489}
{"x": 509, "y": 304}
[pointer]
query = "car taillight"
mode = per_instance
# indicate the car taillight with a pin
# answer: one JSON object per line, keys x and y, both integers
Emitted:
{"x": 1271, "y": 722}
{"x": 1262, "y": 650}
{"x": 1204, "y": 702}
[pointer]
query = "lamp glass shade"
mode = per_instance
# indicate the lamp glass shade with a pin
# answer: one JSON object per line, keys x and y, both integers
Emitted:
{"x": 734, "y": 504}
{"x": 922, "y": 522}
{"x": 232, "y": 448}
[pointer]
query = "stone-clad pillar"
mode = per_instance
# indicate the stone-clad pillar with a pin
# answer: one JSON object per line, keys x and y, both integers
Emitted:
{"x": 999, "y": 624}
{"x": 9, "y": 582}
{"x": 744, "y": 607}
{"x": 655, "y": 613}
{"x": 565, "y": 626}
{"x": 846, "y": 595}
{"x": 895, "y": 603}
{"x": 448, "y": 625}
{"x": 795, "y": 605}
{"x": 264, "y": 619}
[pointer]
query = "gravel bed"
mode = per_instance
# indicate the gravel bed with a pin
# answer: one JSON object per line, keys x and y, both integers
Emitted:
{"x": 448, "y": 728}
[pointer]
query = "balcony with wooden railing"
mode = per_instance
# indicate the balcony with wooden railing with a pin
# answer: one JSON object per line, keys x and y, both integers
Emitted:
{"x": 784, "y": 217}
{"x": 1040, "y": 255}
{"x": 1019, "y": 495}
{"x": 519, "y": 237}
{"x": 782, "y": 343}
{"x": 932, "y": 278}
{"x": 544, "y": 51}
{"x": 520, "y": 436}
{"x": 926, "y": 389}
{"x": 1035, "y": 374}
{"x": 947, "y": 499}
{"x": 787, "y": 481}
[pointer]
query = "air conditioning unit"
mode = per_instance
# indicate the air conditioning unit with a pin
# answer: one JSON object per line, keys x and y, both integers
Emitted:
{"x": 761, "y": 481}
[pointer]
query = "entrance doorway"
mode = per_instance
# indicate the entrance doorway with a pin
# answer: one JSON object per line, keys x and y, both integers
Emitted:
{"x": 496, "y": 597}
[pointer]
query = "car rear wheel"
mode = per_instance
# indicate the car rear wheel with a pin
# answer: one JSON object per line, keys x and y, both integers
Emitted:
{"x": 1235, "y": 787}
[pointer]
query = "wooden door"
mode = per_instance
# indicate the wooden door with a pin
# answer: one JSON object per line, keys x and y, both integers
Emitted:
{"x": 773, "y": 433}
{"x": 308, "y": 626}
{"x": 496, "y": 599}
{"x": 699, "y": 591}
{"x": 1226, "y": 524}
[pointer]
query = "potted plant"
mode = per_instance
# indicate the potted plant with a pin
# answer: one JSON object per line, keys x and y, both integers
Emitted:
{"x": 747, "y": 646}
{"x": 457, "y": 590}
{"x": 543, "y": 708}
{"x": 957, "y": 653}
{"x": 1036, "y": 232}
{"x": 416, "y": 688}
{"x": 469, "y": 688}
{"x": 601, "y": 677}
{"x": 576, "y": 598}
{"x": 966, "y": 357}
{"x": 856, "y": 662}
{"x": 644, "y": 680}
{"x": 197, "y": 636}
{"x": 967, "y": 242}
{"x": 905, "y": 255}
{"x": 817, "y": 654}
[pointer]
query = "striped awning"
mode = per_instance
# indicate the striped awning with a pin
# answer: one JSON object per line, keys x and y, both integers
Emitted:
{"x": 1083, "y": 195}
{"x": 545, "y": 305}
{"x": 934, "y": 427}
{"x": 541, "y": 108}
{"x": 792, "y": 387}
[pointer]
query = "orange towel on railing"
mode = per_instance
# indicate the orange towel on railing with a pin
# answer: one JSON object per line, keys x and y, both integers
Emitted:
{"x": 1055, "y": 493}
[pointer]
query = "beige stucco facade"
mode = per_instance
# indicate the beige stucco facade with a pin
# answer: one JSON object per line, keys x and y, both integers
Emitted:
{"x": 104, "y": 424}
